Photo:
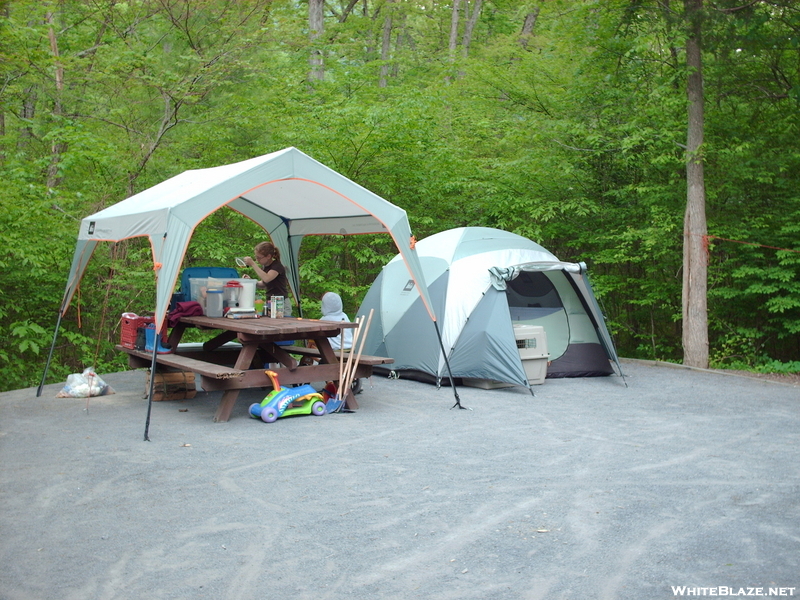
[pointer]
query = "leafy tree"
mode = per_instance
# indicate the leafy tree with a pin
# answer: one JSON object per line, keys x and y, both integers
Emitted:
{"x": 564, "y": 121}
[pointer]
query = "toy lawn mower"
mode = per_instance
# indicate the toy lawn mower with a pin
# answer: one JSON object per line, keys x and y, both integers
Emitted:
{"x": 288, "y": 402}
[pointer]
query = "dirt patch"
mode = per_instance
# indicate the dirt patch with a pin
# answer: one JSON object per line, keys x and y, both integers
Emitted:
{"x": 790, "y": 378}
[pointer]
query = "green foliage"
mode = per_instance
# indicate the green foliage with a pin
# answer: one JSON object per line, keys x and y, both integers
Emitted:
{"x": 774, "y": 366}
{"x": 346, "y": 265}
{"x": 573, "y": 139}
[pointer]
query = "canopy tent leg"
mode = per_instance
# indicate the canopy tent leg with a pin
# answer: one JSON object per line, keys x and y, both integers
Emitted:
{"x": 449, "y": 372}
{"x": 150, "y": 391}
{"x": 49, "y": 355}
{"x": 621, "y": 374}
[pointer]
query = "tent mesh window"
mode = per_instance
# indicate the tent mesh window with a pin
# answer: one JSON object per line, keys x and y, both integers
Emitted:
{"x": 533, "y": 290}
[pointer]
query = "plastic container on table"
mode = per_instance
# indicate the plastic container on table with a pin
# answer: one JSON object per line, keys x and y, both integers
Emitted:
{"x": 276, "y": 307}
{"x": 214, "y": 303}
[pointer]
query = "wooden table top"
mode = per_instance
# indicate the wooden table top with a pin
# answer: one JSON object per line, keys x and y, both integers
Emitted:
{"x": 272, "y": 327}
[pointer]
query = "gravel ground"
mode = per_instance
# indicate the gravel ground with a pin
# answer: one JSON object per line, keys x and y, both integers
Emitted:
{"x": 589, "y": 489}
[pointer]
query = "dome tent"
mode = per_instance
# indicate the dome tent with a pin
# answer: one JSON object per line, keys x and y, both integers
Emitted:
{"x": 481, "y": 281}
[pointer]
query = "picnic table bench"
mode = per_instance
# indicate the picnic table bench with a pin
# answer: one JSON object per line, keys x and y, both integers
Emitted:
{"x": 183, "y": 363}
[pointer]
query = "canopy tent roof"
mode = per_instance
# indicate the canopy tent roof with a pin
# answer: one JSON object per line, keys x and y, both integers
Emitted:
{"x": 288, "y": 193}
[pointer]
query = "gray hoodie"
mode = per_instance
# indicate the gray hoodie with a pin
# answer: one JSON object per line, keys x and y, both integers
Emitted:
{"x": 332, "y": 311}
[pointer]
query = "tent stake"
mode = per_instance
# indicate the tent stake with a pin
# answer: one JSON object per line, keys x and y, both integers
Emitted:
{"x": 449, "y": 372}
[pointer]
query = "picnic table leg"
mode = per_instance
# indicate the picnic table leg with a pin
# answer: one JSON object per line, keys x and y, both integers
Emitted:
{"x": 350, "y": 401}
{"x": 226, "y": 405}
{"x": 229, "y": 397}
{"x": 176, "y": 334}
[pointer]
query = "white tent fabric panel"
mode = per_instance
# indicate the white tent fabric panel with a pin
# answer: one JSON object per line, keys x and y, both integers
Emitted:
{"x": 152, "y": 205}
{"x": 486, "y": 346}
{"x": 313, "y": 208}
{"x": 469, "y": 280}
{"x": 83, "y": 252}
{"x": 397, "y": 285}
{"x": 469, "y": 253}
{"x": 581, "y": 330}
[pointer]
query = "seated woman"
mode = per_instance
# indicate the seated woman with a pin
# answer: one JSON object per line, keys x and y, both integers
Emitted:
{"x": 332, "y": 311}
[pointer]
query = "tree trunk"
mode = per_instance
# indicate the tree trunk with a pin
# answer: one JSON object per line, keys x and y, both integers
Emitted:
{"x": 695, "y": 255}
{"x": 386, "y": 44}
{"x": 5, "y": 12}
{"x": 527, "y": 27}
{"x": 453, "y": 42}
{"x": 470, "y": 26}
{"x": 402, "y": 38}
{"x": 316, "y": 28}
{"x": 348, "y": 9}
{"x": 169, "y": 120}
{"x": 454, "y": 28}
{"x": 57, "y": 148}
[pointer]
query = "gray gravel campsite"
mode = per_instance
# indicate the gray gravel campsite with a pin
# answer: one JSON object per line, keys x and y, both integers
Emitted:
{"x": 683, "y": 481}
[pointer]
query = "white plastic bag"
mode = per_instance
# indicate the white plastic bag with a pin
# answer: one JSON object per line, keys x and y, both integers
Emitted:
{"x": 85, "y": 385}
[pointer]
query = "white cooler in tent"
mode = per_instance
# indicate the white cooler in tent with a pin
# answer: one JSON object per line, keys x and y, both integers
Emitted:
{"x": 532, "y": 346}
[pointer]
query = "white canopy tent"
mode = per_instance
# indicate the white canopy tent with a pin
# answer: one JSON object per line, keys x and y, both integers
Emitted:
{"x": 288, "y": 193}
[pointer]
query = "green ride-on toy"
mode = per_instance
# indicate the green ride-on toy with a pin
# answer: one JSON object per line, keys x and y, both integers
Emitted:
{"x": 288, "y": 402}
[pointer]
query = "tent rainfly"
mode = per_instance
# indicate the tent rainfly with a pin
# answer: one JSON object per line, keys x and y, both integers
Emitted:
{"x": 288, "y": 193}
{"x": 482, "y": 282}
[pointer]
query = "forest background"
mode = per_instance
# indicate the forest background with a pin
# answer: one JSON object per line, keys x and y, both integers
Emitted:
{"x": 564, "y": 121}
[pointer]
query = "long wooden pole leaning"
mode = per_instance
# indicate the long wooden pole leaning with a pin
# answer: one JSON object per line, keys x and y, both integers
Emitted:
{"x": 363, "y": 339}
{"x": 356, "y": 332}
{"x": 341, "y": 363}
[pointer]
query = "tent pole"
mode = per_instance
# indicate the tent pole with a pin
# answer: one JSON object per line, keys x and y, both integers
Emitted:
{"x": 150, "y": 390}
{"x": 49, "y": 356}
{"x": 449, "y": 372}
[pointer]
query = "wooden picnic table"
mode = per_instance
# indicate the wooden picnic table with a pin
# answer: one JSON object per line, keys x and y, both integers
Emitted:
{"x": 234, "y": 367}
